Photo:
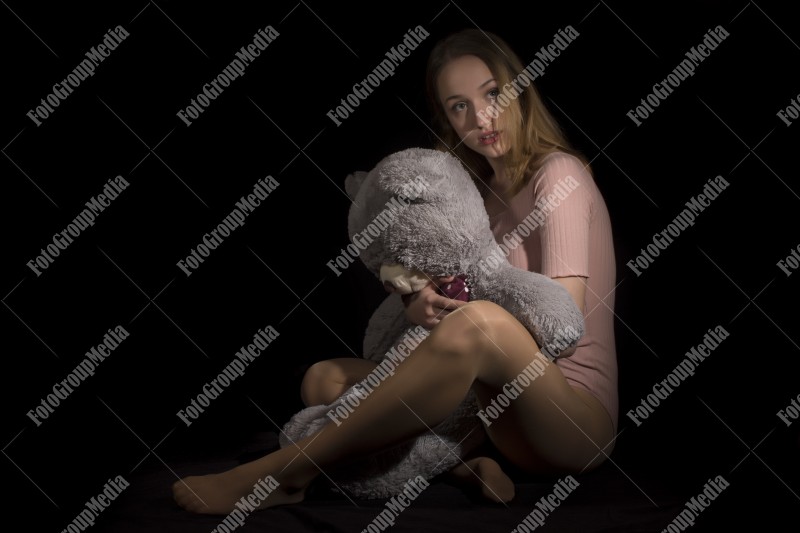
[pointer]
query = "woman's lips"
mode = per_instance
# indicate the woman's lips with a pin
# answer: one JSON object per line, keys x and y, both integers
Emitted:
{"x": 489, "y": 138}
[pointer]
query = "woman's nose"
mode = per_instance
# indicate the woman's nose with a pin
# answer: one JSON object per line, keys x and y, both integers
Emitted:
{"x": 483, "y": 117}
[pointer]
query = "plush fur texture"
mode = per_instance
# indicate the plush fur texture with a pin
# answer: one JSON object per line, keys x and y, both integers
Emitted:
{"x": 419, "y": 208}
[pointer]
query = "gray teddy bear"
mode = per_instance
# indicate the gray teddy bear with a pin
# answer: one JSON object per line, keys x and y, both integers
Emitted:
{"x": 418, "y": 215}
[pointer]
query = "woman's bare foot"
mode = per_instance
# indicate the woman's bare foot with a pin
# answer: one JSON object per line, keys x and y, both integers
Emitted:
{"x": 245, "y": 487}
{"x": 484, "y": 473}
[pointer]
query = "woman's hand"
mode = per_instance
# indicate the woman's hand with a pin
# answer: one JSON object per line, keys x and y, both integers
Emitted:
{"x": 427, "y": 307}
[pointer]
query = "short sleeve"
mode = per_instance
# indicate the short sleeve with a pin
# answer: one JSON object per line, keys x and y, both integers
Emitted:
{"x": 563, "y": 194}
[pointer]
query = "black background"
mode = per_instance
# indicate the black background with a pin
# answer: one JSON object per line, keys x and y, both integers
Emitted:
{"x": 272, "y": 121}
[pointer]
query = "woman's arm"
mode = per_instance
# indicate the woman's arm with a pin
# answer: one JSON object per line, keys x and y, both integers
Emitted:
{"x": 576, "y": 286}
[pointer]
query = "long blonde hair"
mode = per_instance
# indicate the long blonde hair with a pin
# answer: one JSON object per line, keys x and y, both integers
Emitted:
{"x": 530, "y": 129}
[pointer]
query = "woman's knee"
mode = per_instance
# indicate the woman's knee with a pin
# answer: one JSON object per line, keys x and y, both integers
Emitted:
{"x": 318, "y": 381}
{"x": 477, "y": 327}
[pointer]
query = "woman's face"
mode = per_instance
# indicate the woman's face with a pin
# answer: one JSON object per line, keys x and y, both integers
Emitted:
{"x": 466, "y": 90}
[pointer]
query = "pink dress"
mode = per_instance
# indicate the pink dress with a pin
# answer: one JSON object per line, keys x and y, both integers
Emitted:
{"x": 571, "y": 236}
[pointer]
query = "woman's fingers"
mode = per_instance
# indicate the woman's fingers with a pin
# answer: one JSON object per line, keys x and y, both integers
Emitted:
{"x": 446, "y": 304}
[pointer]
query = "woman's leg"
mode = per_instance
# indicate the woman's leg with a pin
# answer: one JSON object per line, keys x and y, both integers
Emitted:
{"x": 486, "y": 475}
{"x": 325, "y": 381}
{"x": 549, "y": 426}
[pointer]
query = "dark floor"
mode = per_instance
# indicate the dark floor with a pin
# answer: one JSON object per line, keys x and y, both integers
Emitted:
{"x": 615, "y": 497}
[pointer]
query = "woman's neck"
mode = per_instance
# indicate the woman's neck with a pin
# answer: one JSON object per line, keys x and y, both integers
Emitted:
{"x": 499, "y": 181}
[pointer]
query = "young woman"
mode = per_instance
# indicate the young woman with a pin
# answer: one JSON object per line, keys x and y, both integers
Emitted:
{"x": 566, "y": 420}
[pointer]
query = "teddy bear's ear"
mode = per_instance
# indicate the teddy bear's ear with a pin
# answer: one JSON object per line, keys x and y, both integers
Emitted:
{"x": 352, "y": 183}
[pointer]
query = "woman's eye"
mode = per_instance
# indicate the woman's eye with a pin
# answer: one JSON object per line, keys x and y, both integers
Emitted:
{"x": 493, "y": 93}
{"x": 459, "y": 106}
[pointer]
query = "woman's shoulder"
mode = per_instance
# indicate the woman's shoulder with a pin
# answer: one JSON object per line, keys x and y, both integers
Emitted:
{"x": 560, "y": 168}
